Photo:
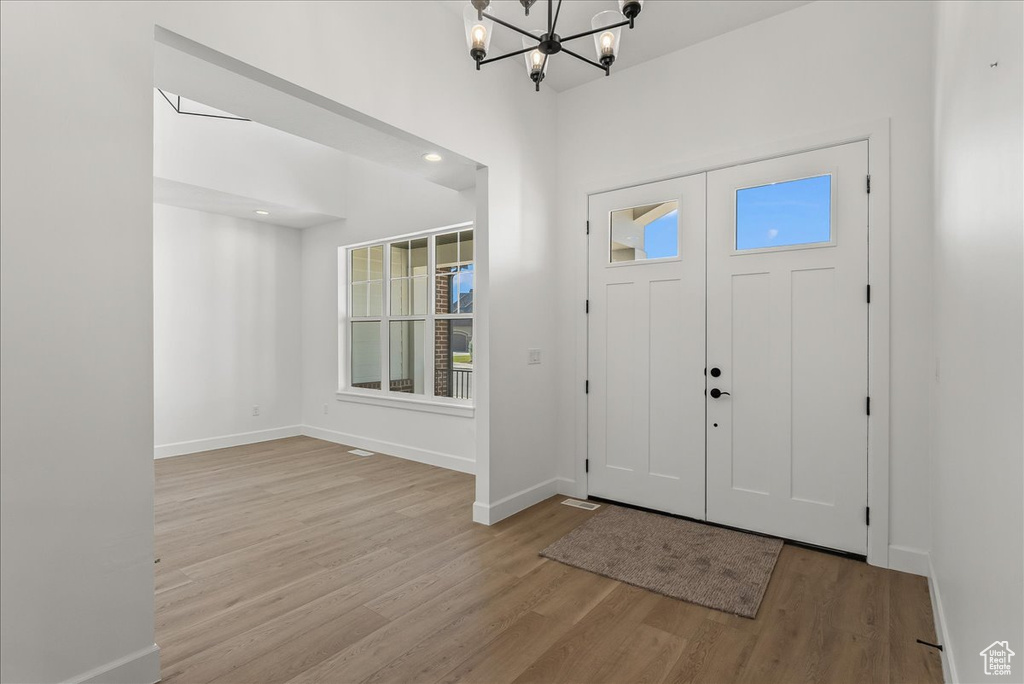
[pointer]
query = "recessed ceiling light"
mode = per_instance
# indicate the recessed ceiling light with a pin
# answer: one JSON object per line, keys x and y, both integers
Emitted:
{"x": 262, "y": 212}
{"x": 433, "y": 157}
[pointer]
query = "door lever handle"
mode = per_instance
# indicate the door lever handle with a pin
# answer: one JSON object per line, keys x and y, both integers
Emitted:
{"x": 715, "y": 393}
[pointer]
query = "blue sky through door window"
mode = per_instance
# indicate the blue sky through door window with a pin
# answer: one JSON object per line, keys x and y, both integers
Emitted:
{"x": 796, "y": 212}
{"x": 660, "y": 236}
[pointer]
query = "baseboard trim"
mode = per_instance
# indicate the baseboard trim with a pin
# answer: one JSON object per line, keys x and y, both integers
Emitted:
{"x": 513, "y": 503}
{"x": 569, "y": 488}
{"x": 225, "y": 441}
{"x": 434, "y": 458}
{"x": 948, "y": 663}
{"x": 909, "y": 559}
{"x": 141, "y": 667}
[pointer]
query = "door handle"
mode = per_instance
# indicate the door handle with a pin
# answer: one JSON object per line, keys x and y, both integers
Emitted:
{"x": 715, "y": 393}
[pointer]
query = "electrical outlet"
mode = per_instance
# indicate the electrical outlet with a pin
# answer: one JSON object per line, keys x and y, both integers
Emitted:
{"x": 532, "y": 357}
{"x": 325, "y": 409}
{"x": 255, "y": 410}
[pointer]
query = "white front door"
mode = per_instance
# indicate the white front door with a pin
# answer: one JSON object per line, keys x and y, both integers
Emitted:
{"x": 787, "y": 340}
{"x": 646, "y": 339}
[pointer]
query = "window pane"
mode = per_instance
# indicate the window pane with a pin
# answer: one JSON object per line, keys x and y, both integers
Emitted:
{"x": 465, "y": 298}
{"x": 419, "y": 296}
{"x": 645, "y": 232}
{"x": 400, "y": 303}
{"x": 443, "y": 288}
{"x": 359, "y": 299}
{"x": 797, "y": 212}
{"x": 453, "y": 359}
{"x": 419, "y": 257}
{"x": 399, "y": 259}
{"x": 375, "y": 298}
{"x": 360, "y": 265}
{"x": 465, "y": 246}
{"x": 376, "y": 262}
{"x": 406, "y": 357}
{"x": 366, "y": 354}
{"x": 446, "y": 250}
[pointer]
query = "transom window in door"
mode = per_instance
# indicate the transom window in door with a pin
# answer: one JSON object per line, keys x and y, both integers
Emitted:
{"x": 785, "y": 214}
{"x": 646, "y": 232}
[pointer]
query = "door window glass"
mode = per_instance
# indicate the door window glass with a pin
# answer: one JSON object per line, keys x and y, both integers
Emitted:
{"x": 796, "y": 212}
{"x": 646, "y": 232}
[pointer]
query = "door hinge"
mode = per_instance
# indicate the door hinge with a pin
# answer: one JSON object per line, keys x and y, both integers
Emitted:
{"x": 867, "y": 515}
{"x": 587, "y": 307}
{"x": 867, "y": 406}
{"x": 586, "y": 466}
{"x": 869, "y": 294}
{"x": 588, "y": 227}
{"x": 586, "y": 387}
{"x": 869, "y": 183}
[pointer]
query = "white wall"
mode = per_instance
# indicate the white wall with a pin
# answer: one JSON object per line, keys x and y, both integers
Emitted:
{"x": 385, "y": 204}
{"x": 977, "y": 442}
{"x": 816, "y": 68}
{"x": 77, "y": 278}
{"x": 227, "y": 329}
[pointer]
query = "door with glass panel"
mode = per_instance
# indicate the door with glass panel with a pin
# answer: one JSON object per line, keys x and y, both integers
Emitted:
{"x": 787, "y": 346}
{"x": 646, "y": 346}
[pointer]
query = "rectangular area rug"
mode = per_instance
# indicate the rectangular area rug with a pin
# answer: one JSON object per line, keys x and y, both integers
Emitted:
{"x": 710, "y": 566}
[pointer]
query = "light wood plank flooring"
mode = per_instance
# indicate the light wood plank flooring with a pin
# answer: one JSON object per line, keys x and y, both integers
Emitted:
{"x": 295, "y": 561}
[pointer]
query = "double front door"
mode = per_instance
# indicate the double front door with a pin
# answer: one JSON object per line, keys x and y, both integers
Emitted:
{"x": 727, "y": 363}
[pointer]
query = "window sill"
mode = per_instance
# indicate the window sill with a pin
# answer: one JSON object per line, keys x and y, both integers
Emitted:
{"x": 408, "y": 403}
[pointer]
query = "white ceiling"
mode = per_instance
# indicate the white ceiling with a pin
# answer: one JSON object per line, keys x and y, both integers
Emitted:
{"x": 221, "y": 82}
{"x": 663, "y": 26}
{"x": 178, "y": 194}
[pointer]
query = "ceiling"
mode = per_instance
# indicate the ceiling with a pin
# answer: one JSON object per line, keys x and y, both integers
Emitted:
{"x": 663, "y": 26}
{"x": 203, "y": 75}
{"x": 178, "y": 194}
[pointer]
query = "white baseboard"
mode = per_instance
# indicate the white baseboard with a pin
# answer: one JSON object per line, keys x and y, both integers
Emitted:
{"x": 141, "y": 667}
{"x": 434, "y": 458}
{"x": 512, "y": 504}
{"x": 948, "y": 664}
{"x": 242, "y": 438}
{"x": 909, "y": 559}
{"x": 570, "y": 488}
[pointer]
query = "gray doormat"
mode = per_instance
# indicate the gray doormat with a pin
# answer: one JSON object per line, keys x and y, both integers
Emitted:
{"x": 702, "y": 564}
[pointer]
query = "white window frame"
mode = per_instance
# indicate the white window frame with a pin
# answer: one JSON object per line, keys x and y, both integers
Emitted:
{"x": 384, "y": 396}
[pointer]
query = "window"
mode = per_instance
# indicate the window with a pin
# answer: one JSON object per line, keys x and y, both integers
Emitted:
{"x": 645, "y": 232}
{"x": 790, "y": 213}
{"x": 426, "y": 331}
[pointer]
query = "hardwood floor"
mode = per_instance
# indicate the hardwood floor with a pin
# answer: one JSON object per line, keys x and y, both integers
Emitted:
{"x": 295, "y": 561}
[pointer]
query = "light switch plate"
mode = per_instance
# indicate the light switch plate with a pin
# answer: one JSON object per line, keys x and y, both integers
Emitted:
{"x": 532, "y": 357}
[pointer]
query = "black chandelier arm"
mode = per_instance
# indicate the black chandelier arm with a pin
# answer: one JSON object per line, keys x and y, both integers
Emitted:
{"x": 510, "y": 54}
{"x": 554, "y": 22}
{"x": 507, "y": 25}
{"x": 592, "y": 32}
{"x": 584, "y": 59}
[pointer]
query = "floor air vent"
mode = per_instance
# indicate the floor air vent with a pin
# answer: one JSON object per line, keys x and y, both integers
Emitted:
{"x": 585, "y": 505}
{"x": 361, "y": 452}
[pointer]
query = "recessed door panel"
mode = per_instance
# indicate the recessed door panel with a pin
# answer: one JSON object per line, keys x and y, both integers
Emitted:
{"x": 646, "y": 338}
{"x": 787, "y": 325}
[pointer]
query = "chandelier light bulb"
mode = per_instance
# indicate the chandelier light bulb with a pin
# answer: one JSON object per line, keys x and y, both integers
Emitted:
{"x": 479, "y": 36}
{"x": 607, "y": 43}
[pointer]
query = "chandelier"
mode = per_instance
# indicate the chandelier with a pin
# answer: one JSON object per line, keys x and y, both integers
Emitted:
{"x": 606, "y": 28}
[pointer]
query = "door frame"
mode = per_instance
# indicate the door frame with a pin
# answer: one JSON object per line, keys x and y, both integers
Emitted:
{"x": 876, "y": 133}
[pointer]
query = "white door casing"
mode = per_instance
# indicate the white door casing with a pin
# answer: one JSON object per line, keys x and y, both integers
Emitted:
{"x": 787, "y": 326}
{"x": 645, "y": 363}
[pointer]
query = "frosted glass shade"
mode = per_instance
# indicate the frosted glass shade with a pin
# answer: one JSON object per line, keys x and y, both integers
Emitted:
{"x": 535, "y": 62}
{"x": 607, "y": 42}
{"x": 478, "y": 32}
